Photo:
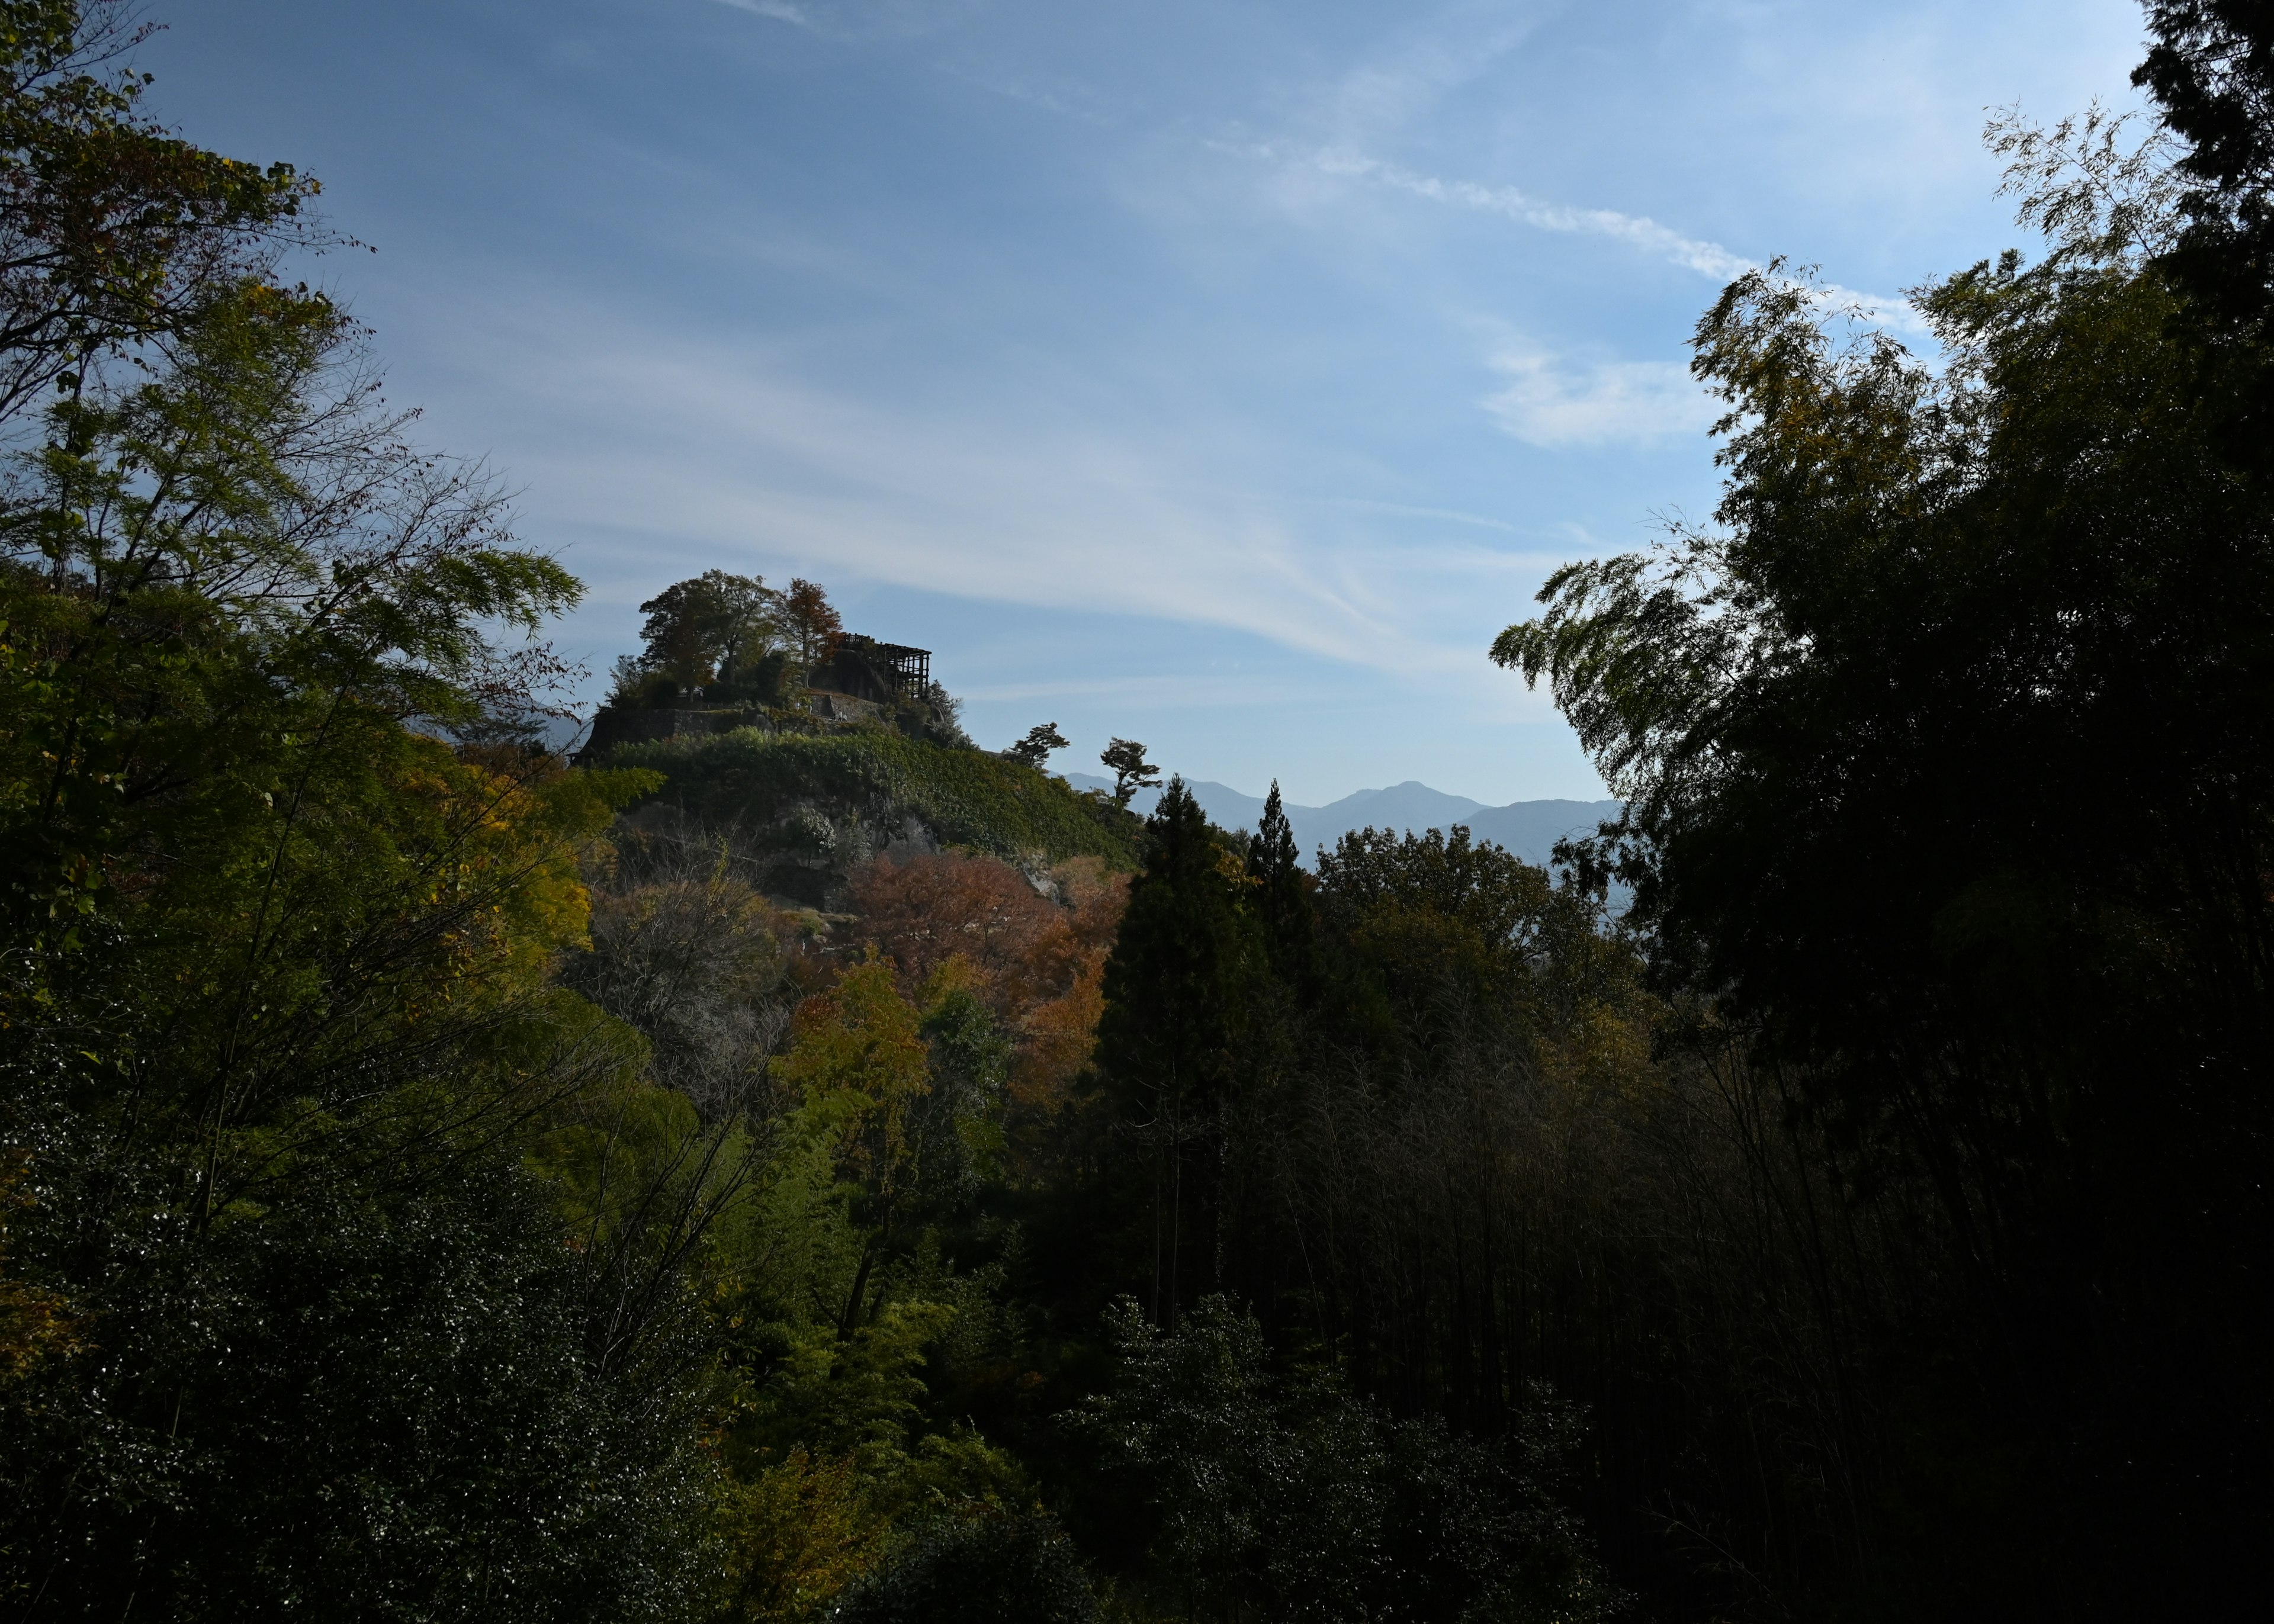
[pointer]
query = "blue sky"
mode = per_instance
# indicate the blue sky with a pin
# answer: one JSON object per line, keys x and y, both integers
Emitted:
{"x": 1222, "y": 375}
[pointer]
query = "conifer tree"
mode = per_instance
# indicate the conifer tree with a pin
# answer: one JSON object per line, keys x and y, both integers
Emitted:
{"x": 1282, "y": 898}
{"x": 1178, "y": 990}
{"x": 1124, "y": 759}
{"x": 1035, "y": 749}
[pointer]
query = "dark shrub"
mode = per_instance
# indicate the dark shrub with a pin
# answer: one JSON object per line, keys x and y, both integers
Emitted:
{"x": 987, "y": 1570}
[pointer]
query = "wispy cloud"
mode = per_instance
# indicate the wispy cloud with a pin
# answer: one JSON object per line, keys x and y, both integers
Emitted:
{"x": 781, "y": 10}
{"x": 731, "y": 454}
{"x": 1702, "y": 255}
{"x": 1442, "y": 49}
{"x": 1067, "y": 97}
{"x": 1199, "y": 691}
{"x": 1557, "y": 405}
{"x": 1693, "y": 253}
{"x": 862, "y": 20}
{"x": 1452, "y": 515}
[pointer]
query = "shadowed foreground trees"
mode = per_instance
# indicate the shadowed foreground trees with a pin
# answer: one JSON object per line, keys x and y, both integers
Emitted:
{"x": 1949, "y": 773}
{"x": 434, "y": 1186}
{"x": 276, "y": 1001}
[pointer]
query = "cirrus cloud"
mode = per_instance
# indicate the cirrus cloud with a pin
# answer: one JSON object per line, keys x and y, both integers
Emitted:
{"x": 1555, "y": 404}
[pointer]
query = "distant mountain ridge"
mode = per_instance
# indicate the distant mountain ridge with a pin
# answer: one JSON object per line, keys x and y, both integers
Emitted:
{"x": 1530, "y": 829}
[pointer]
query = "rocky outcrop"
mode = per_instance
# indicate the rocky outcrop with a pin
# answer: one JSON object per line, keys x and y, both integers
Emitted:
{"x": 614, "y": 725}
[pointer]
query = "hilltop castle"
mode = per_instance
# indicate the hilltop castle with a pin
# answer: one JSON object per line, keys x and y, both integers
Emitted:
{"x": 861, "y": 682}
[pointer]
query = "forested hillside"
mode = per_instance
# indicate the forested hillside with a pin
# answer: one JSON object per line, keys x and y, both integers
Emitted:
{"x": 820, "y": 805}
{"x": 823, "y": 1170}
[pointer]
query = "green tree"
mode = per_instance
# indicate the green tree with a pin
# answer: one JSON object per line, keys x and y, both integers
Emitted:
{"x": 1437, "y": 936}
{"x": 114, "y": 234}
{"x": 1282, "y": 898}
{"x": 1124, "y": 759}
{"x": 1949, "y": 775}
{"x": 275, "y": 1007}
{"x": 714, "y": 629}
{"x": 833, "y": 1313}
{"x": 861, "y": 1063}
{"x": 2211, "y": 70}
{"x": 989, "y": 1569}
{"x": 277, "y": 986}
{"x": 1177, "y": 992}
{"x": 1035, "y": 749}
{"x": 1280, "y": 1494}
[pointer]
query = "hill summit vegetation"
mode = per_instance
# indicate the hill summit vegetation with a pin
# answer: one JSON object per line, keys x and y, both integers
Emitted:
{"x": 816, "y": 1170}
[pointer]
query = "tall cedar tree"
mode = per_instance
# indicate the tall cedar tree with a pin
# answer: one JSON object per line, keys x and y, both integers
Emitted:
{"x": 1178, "y": 990}
{"x": 1282, "y": 898}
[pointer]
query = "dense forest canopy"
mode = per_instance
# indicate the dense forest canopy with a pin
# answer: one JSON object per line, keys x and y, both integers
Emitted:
{"x": 791, "y": 1164}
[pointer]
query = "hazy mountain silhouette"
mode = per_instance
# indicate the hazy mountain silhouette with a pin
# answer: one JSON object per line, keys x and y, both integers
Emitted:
{"x": 1528, "y": 828}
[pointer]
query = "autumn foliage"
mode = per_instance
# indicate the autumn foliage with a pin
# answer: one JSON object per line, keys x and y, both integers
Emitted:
{"x": 1036, "y": 948}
